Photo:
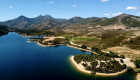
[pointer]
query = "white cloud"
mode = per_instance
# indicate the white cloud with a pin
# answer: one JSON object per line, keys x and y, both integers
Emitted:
{"x": 131, "y": 8}
{"x": 106, "y": 14}
{"x": 74, "y": 6}
{"x": 110, "y": 14}
{"x": 50, "y": 2}
{"x": 116, "y": 14}
{"x": 10, "y": 7}
{"x": 105, "y": 0}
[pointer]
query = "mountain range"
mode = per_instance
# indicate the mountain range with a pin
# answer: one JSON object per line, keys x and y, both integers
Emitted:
{"x": 122, "y": 21}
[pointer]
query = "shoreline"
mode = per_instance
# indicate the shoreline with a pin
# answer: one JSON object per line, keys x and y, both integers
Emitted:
{"x": 79, "y": 48}
{"x": 48, "y": 45}
{"x": 138, "y": 76}
{"x": 26, "y": 36}
{"x": 42, "y": 45}
{"x": 82, "y": 69}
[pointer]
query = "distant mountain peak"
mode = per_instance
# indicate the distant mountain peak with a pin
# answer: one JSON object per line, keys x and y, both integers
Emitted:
{"x": 76, "y": 17}
{"x": 48, "y": 16}
{"x": 21, "y": 16}
{"x": 40, "y": 16}
{"x": 123, "y": 15}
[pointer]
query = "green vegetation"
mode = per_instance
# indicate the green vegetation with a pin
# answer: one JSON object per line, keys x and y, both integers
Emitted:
{"x": 121, "y": 61}
{"x": 137, "y": 63}
{"x": 133, "y": 43}
{"x": 107, "y": 62}
{"x": 130, "y": 69}
{"x": 56, "y": 41}
{"x": 68, "y": 36}
{"x": 83, "y": 57}
{"x": 107, "y": 55}
{"x": 105, "y": 39}
{"x": 124, "y": 66}
{"x": 95, "y": 49}
{"x": 112, "y": 66}
{"x": 107, "y": 66}
{"x": 107, "y": 22}
{"x": 122, "y": 56}
{"x": 84, "y": 39}
{"x": 36, "y": 39}
{"x": 131, "y": 22}
{"x": 84, "y": 47}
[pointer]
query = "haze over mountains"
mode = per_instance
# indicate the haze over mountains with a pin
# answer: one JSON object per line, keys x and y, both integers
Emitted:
{"x": 47, "y": 22}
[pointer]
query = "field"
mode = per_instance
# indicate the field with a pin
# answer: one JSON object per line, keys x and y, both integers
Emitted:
{"x": 84, "y": 39}
{"x": 126, "y": 42}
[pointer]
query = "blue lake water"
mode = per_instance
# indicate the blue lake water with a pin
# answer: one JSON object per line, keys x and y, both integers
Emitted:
{"x": 20, "y": 60}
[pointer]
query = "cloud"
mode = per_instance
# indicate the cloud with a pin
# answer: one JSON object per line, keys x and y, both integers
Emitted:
{"x": 74, "y": 6}
{"x": 106, "y": 14}
{"x": 131, "y": 8}
{"x": 116, "y": 14}
{"x": 50, "y": 2}
{"x": 105, "y": 0}
{"x": 110, "y": 14}
{"x": 10, "y": 7}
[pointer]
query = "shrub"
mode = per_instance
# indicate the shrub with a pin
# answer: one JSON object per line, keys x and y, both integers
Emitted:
{"x": 137, "y": 63}
{"x": 121, "y": 61}
{"x": 124, "y": 66}
{"x": 122, "y": 56}
{"x": 84, "y": 47}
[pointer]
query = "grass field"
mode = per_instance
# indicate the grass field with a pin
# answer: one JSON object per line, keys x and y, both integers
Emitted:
{"x": 85, "y": 39}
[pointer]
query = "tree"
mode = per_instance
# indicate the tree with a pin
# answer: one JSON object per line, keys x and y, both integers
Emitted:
{"x": 137, "y": 63}
{"x": 93, "y": 72}
{"x": 84, "y": 47}
{"x": 129, "y": 69}
{"x": 55, "y": 42}
{"x": 122, "y": 56}
{"x": 95, "y": 49}
{"x": 124, "y": 66}
{"x": 121, "y": 61}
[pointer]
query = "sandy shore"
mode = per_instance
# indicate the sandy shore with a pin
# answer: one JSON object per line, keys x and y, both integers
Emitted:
{"x": 82, "y": 69}
{"x": 26, "y": 36}
{"x": 41, "y": 44}
{"x": 138, "y": 76}
{"x": 48, "y": 45}
{"x": 44, "y": 45}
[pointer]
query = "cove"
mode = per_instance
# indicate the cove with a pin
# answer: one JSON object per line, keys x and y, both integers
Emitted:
{"x": 20, "y": 60}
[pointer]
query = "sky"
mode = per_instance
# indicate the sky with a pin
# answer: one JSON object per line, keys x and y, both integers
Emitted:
{"x": 10, "y": 9}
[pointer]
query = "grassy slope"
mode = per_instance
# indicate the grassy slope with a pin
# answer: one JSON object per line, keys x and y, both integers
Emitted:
{"x": 106, "y": 39}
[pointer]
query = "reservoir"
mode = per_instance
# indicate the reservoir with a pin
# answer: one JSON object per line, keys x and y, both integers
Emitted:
{"x": 21, "y": 60}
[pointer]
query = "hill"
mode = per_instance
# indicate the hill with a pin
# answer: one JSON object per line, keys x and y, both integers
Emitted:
{"x": 3, "y": 30}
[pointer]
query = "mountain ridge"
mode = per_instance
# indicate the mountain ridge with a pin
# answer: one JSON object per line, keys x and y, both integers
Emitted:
{"x": 47, "y": 22}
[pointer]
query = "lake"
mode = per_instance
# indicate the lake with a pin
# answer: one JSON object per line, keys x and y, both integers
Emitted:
{"x": 20, "y": 60}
